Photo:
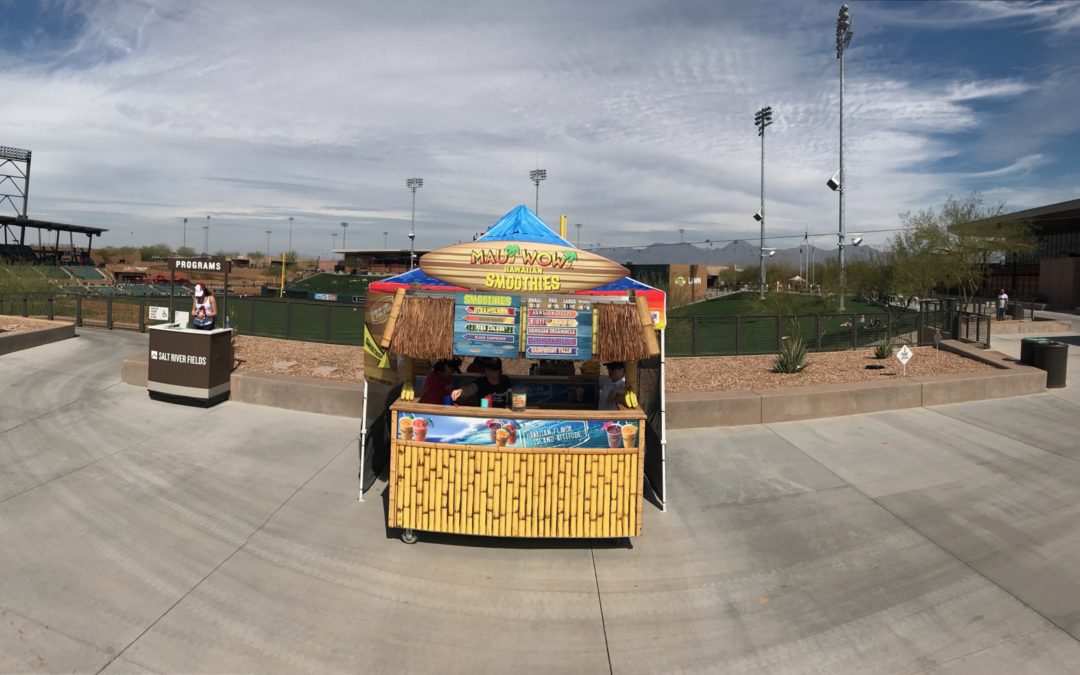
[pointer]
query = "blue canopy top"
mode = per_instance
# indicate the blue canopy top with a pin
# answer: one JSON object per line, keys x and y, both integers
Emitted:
{"x": 521, "y": 224}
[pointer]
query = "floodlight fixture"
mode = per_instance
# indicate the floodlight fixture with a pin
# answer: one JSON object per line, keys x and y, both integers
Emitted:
{"x": 834, "y": 182}
{"x": 844, "y": 31}
{"x": 537, "y": 175}
{"x": 856, "y": 240}
{"x": 15, "y": 154}
{"x": 762, "y": 119}
{"x": 758, "y": 217}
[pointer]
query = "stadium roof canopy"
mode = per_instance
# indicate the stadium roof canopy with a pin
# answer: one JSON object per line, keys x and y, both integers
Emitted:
{"x": 51, "y": 226}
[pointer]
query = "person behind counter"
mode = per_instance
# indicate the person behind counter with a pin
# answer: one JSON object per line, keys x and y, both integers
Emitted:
{"x": 493, "y": 384}
{"x": 612, "y": 386}
{"x": 203, "y": 308}
{"x": 439, "y": 383}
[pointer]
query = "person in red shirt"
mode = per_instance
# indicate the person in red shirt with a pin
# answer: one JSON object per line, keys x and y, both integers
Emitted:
{"x": 439, "y": 382}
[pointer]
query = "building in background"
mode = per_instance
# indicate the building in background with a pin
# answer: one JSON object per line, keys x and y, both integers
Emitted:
{"x": 375, "y": 261}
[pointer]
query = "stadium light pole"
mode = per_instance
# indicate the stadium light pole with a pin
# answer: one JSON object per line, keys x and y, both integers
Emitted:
{"x": 682, "y": 231}
{"x": 413, "y": 184}
{"x": 268, "y": 247}
{"x": 537, "y": 175}
{"x": 578, "y": 226}
{"x": 344, "y": 227}
{"x": 762, "y": 119}
{"x": 184, "y": 240}
{"x": 843, "y": 39}
{"x": 206, "y": 237}
{"x": 386, "y": 240}
{"x": 333, "y": 242}
{"x": 290, "y": 235}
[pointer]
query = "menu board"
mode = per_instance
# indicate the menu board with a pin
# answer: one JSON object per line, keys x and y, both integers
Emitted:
{"x": 558, "y": 327}
{"x": 486, "y": 325}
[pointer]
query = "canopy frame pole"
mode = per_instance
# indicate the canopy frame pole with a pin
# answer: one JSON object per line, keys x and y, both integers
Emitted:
{"x": 663, "y": 422}
{"x": 363, "y": 441}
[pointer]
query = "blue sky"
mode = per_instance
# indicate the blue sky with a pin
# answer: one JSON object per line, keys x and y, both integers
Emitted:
{"x": 142, "y": 112}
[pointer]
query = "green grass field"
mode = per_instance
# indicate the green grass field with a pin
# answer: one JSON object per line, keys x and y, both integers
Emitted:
{"x": 743, "y": 324}
{"x": 341, "y": 284}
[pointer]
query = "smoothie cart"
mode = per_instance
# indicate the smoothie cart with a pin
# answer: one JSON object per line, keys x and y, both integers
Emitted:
{"x": 553, "y": 465}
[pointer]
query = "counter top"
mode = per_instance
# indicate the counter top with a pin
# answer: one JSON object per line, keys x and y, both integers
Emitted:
{"x": 530, "y": 413}
{"x": 174, "y": 328}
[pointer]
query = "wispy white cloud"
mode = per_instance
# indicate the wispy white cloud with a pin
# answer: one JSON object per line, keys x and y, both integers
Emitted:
{"x": 642, "y": 114}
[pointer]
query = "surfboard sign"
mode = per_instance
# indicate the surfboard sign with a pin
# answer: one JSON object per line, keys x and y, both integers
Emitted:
{"x": 520, "y": 267}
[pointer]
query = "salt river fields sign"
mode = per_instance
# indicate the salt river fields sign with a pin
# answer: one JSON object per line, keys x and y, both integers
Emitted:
{"x": 486, "y": 325}
{"x": 520, "y": 267}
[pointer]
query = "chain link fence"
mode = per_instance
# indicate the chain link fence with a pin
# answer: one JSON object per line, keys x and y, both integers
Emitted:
{"x": 330, "y": 322}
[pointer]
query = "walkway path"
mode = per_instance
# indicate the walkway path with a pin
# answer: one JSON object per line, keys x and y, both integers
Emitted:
{"x": 140, "y": 536}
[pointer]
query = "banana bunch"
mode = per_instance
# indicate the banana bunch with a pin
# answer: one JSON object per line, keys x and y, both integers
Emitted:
{"x": 407, "y": 393}
{"x": 630, "y": 398}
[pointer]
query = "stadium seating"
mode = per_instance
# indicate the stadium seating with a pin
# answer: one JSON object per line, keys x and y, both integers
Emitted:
{"x": 85, "y": 273}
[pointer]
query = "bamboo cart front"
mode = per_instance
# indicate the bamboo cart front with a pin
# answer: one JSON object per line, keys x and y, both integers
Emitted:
{"x": 489, "y": 487}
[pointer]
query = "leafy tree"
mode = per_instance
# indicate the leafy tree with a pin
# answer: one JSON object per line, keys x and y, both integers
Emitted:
{"x": 186, "y": 252}
{"x": 155, "y": 251}
{"x": 952, "y": 249}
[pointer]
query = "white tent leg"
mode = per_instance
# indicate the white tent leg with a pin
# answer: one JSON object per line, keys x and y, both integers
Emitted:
{"x": 663, "y": 424}
{"x": 363, "y": 440}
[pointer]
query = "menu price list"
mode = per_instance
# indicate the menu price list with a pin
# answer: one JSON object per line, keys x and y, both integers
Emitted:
{"x": 558, "y": 327}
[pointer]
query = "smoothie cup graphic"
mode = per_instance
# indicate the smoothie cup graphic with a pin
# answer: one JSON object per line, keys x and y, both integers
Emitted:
{"x": 492, "y": 426}
{"x": 629, "y": 435}
{"x": 500, "y": 437}
{"x": 419, "y": 429}
{"x": 406, "y": 424}
{"x": 614, "y": 434}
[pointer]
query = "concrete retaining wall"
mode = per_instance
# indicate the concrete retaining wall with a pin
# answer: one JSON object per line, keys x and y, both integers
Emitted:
{"x": 687, "y": 410}
{"x": 307, "y": 394}
{"x": 13, "y": 342}
{"x": 1037, "y": 327}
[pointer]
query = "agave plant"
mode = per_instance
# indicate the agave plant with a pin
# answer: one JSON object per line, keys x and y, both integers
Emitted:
{"x": 883, "y": 350}
{"x": 792, "y": 356}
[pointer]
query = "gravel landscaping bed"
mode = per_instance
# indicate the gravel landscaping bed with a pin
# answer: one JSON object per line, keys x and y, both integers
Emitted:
{"x": 307, "y": 359}
{"x": 715, "y": 373}
{"x": 18, "y": 324}
{"x": 730, "y": 373}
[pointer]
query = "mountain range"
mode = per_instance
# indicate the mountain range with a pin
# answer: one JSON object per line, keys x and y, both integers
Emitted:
{"x": 740, "y": 253}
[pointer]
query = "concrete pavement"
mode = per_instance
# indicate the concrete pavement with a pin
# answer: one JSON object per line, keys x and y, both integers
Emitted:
{"x": 139, "y": 536}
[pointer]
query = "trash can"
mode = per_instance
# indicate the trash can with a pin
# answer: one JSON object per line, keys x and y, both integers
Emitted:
{"x": 1027, "y": 349}
{"x": 1053, "y": 357}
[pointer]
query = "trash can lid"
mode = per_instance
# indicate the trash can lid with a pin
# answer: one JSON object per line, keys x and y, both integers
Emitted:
{"x": 1037, "y": 340}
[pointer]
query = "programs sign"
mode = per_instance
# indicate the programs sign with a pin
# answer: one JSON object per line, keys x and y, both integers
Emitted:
{"x": 486, "y": 325}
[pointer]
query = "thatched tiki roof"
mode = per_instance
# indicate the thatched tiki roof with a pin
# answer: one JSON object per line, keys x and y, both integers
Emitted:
{"x": 424, "y": 328}
{"x": 619, "y": 333}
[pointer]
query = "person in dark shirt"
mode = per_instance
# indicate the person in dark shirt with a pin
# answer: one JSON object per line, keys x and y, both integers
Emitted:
{"x": 493, "y": 384}
{"x": 439, "y": 382}
{"x": 477, "y": 365}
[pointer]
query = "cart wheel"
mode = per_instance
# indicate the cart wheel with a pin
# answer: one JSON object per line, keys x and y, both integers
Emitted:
{"x": 409, "y": 537}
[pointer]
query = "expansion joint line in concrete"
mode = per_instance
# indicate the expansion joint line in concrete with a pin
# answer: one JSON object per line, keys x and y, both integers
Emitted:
{"x": 600, "y": 601}
{"x": 227, "y": 558}
{"x": 1025, "y": 441}
{"x": 929, "y": 539}
{"x": 88, "y": 464}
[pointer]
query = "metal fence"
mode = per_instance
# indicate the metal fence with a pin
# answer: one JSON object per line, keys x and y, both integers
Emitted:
{"x": 331, "y": 322}
{"x": 339, "y": 323}
{"x": 736, "y": 335}
{"x": 946, "y": 317}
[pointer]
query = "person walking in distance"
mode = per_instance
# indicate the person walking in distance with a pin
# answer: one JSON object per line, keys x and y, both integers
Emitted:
{"x": 1003, "y": 302}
